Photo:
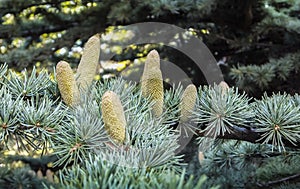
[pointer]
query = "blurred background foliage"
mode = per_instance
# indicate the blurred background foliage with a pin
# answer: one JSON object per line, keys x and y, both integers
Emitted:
{"x": 239, "y": 33}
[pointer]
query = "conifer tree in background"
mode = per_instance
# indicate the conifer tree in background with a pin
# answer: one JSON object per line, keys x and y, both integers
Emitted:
{"x": 244, "y": 142}
{"x": 255, "y": 42}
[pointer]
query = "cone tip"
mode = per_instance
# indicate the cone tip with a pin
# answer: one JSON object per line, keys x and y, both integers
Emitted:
{"x": 153, "y": 53}
{"x": 191, "y": 87}
{"x": 95, "y": 38}
{"x": 63, "y": 65}
{"x": 224, "y": 85}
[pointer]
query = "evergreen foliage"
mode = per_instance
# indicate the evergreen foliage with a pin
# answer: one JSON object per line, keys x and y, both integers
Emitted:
{"x": 84, "y": 148}
{"x": 222, "y": 111}
{"x": 246, "y": 140}
{"x": 98, "y": 174}
{"x": 247, "y": 77}
{"x": 278, "y": 118}
{"x": 236, "y": 164}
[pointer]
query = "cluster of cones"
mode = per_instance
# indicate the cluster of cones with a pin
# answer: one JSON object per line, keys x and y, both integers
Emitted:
{"x": 113, "y": 115}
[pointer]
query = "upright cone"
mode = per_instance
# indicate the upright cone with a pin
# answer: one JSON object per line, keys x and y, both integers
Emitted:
{"x": 113, "y": 116}
{"x": 88, "y": 63}
{"x": 152, "y": 62}
{"x": 66, "y": 84}
{"x": 154, "y": 90}
{"x": 152, "y": 82}
{"x": 224, "y": 87}
{"x": 188, "y": 102}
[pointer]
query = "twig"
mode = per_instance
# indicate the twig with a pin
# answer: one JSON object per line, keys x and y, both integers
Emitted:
{"x": 270, "y": 183}
{"x": 246, "y": 134}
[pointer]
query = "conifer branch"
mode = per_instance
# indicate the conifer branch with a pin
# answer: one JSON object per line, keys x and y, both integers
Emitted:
{"x": 246, "y": 134}
{"x": 248, "y": 77}
{"x": 282, "y": 180}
